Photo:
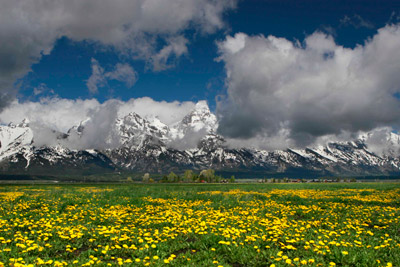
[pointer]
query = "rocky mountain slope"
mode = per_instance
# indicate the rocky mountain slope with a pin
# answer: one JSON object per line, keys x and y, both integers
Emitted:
{"x": 148, "y": 145}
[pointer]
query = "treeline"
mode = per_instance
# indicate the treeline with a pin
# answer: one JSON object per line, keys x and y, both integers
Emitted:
{"x": 189, "y": 176}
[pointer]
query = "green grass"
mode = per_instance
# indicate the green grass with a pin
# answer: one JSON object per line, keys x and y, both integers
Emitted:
{"x": 345, "y": 224}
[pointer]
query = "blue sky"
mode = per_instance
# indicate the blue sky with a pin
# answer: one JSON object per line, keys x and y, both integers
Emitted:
{"x": 197, "y": 75}
{"x": 276, "y": 73}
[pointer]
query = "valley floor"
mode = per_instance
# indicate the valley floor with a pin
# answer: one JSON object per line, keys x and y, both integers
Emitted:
{"x": 200, "y": 225}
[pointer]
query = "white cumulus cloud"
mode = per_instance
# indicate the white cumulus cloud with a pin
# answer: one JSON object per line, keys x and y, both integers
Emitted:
{"x": 61, "y": 114}
{"x": 29, "y": 29}
{"x": 53, "y": 116}
{"x": 309, "y": 90}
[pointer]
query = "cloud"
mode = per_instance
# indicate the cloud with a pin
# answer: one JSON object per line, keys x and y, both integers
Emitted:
{"x": 191, "y": 139}
{"x": 43, "y": 135}
{"x": 97, "y": 78}
{"x": 167, "y": 112}
{"x": 394, "y": 18}
{"x": 42, "y": 89}
{"x": 308, "y": 90}
{"x": 176, "y": 46}
{"x": 61, "y": 114}
{"x": 99, "y": 130}
{"x": 52, "y": 117}
{"x": 356, "y": 21}
{"x": 55, "y": 113}
{"x": 29, "y": 29}
{"x": 121, "y": 72}
{"x": 278, "y": 141}
{"x": 383, "y": 142}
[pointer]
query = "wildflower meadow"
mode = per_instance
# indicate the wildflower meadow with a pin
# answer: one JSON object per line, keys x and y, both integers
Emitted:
{"x": 200, "y": 225}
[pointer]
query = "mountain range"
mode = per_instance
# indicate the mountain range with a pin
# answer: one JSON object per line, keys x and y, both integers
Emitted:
{"x": 145, "y": 144}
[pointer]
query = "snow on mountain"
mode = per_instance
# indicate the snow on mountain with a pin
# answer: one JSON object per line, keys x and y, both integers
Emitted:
{"x": 133, "y": 130}
{"x": 78, "y": 129}
{"x": 382, "y": 142}
{"x": 145, "y": 146}
{"x": 199, "y": 119}
{"x": 19, "y": 153}
{"x": 15, "y": 138}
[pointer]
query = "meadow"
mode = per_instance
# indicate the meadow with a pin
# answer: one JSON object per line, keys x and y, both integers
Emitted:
{"x": 355, "y": 224}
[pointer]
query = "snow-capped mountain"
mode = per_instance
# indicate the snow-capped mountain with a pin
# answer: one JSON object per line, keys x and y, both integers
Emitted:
{"x": 134, "y": 130}
{"x": 145, "y": 144}
{"x": 199, "y": 119}
{"x": 18, "y": 153}
{"x": 15, "y": 139}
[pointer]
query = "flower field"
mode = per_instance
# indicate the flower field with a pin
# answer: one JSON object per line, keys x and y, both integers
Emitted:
{"x": 200, "y": 225}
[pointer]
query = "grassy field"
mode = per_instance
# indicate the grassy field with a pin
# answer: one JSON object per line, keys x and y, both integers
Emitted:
{"x": 200, "y": 225}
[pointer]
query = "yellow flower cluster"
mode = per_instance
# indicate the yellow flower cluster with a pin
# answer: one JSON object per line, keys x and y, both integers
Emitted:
{"x": 362, "y": 195}
{"x": 10, "y": 196}
{"x": 85, "y": 226}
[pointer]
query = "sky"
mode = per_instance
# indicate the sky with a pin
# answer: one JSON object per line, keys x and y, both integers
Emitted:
{"x": 275, "y": 72}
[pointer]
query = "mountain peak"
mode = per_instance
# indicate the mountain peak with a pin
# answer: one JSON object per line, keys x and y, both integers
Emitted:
{"x": 200, "y": 119}
{"x": 147, "y": 144}
{"x": 23, "y": 124}
{"x": 133, "y": 129}
{"x": 135, "y": 120}
{"x": 202, "y": 106}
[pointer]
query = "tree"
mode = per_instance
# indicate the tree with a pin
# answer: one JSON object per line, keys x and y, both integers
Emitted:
{"x": 129, "y": 179}
{"x": 172, "y": 177}
{"x": 195, "y": 177}
{"x": 188, "y": 176}
{"x": 146, "y": 177}
{"x": 207, "y": 175}
{"x": 232, "y": 180}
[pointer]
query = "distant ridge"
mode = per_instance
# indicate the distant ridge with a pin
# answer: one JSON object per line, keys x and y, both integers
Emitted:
{"x": 148, "y": 145}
